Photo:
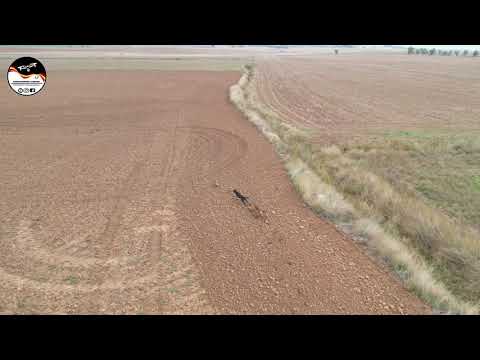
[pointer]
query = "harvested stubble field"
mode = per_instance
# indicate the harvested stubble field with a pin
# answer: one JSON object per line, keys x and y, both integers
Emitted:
{"x": 397, "y": 137}
{"x": 117, "y": 198}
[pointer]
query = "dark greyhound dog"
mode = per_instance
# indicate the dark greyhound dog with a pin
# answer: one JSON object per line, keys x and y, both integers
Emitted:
{"x": 244, "y": 199}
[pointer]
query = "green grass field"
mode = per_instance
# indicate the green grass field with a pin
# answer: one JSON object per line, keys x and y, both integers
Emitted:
{"x": 441, "y": 169}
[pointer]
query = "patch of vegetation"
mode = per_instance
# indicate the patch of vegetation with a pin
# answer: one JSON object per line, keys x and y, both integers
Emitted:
{"x": 72, "y": 280}
{"x": 441, "y": 169}
{"x": 476, "y": 182}
{"x": 402, "y": 192}
{"x": 424, "y": 189}
{"x": 410, "y": 134}
{"x": 411, "y": 50}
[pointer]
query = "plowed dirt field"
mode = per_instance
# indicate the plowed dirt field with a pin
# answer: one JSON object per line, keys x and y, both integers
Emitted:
{"x": 117, "y": 198}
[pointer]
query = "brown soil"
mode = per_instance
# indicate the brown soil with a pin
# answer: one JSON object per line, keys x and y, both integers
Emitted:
{"x": 349, "y": 96}
{"x": 117, "y": 198}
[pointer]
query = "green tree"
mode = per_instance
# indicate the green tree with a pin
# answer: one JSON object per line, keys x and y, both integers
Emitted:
{"x": 465, "y": 52}
{"x": 433, "y": 52}
{"x": 411, "y": 50}
{"x": 417, "y": 51}
{"x": 476, "y": 53}
{"x": 457, "y": 52}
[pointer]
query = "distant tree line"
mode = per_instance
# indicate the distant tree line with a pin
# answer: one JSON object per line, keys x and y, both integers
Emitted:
{"x": 425, "y": 51}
